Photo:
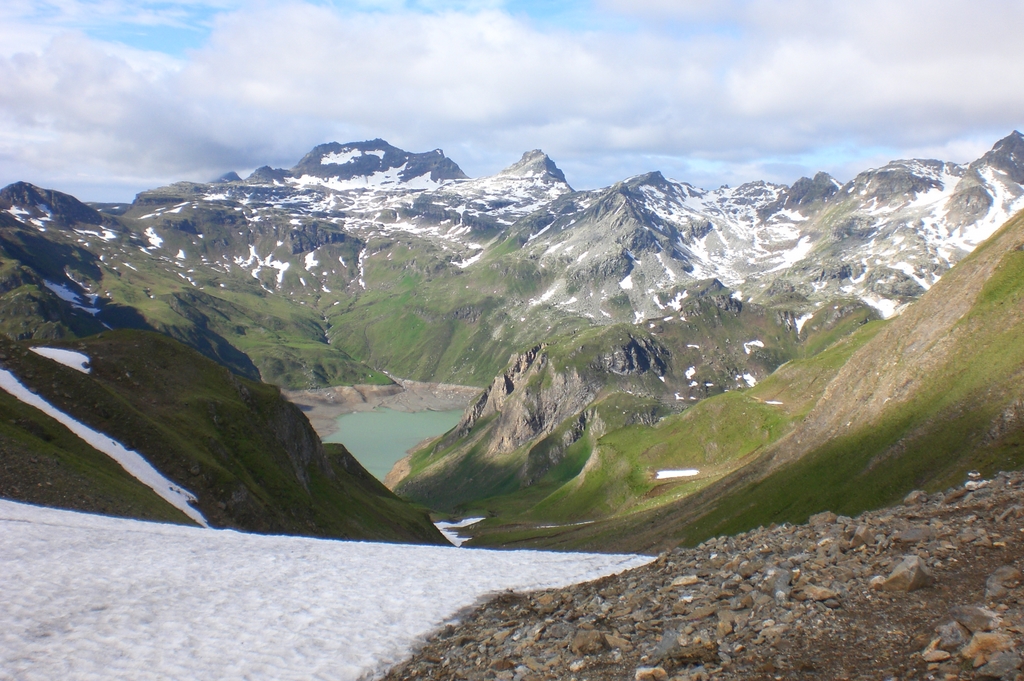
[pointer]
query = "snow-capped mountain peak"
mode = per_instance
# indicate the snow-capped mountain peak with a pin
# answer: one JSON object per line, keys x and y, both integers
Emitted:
{"x": 373, "y": 163}
{"x": 535, "y": 164}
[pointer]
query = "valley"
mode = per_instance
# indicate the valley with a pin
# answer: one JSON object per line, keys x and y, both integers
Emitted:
{"x": 595, "y": 339}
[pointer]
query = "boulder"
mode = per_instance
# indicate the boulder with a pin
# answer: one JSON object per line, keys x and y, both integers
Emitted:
{"x": 650, "y": 674}
{"x": 914, "y": 498}
{"x": 587, "y": 642}
{"x": 1000, "y": 582}
{"x": 999, "y": 666}
{"x": 974, "y": 617}
{"x": 952, "y": 636}
{"x": 909, "y": 575}
{"x": 986, "y": 644}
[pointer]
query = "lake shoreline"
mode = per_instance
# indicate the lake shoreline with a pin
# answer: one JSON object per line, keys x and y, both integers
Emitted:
{"x": 323, "y": 406}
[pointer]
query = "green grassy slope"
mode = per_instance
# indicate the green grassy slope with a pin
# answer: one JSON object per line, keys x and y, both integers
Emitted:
{"x": 572, "y": 441}
{"x": 717, "y": 436}
{"x": 250, "y": 457}
{"x": 935, "y": 392}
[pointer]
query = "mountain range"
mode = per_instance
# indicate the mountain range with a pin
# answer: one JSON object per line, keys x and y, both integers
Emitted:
{"x": 651, "y": 307}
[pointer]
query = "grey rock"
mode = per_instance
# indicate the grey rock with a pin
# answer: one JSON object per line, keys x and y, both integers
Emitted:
{"x": 914, "y": 535}
{"x": 914, "y": 498}
{"x": 861, "y": 537}
{"x": 974, "y": 617}
{"x": 909, "y": 575}
{"x": 1001, "y": 666}
{"x": 999, "y": 582}
{"x": 952, "y": 635}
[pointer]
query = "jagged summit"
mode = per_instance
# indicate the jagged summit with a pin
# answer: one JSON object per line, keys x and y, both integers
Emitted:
{"x": 1007, "y": 155}
{"x": 535, "y": 164}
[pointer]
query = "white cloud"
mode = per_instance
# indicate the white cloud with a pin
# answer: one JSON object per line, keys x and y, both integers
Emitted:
{"x": 708, "y": 92}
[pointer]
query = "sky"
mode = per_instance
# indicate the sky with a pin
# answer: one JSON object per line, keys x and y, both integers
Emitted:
{"x": 105, "y": 98}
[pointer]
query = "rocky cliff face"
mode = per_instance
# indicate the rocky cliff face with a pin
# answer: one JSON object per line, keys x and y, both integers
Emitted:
{"x": 523, "y": 423}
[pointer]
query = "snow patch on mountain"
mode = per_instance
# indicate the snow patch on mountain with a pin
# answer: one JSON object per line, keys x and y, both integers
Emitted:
{"x": 130, "y": 460}
{"x": 69, "y": 358}
{"x": 94, "y": 597}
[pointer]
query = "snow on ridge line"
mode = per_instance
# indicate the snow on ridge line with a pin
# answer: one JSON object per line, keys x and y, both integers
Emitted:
{"x": 148, "y": 601}
{"x": 131, "y": 461}
{"x": 69, "y": 358}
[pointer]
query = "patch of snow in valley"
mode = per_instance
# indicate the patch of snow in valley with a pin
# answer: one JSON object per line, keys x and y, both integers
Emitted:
{"x": 69, "y": 296}
{"x": 69, "y": 358}
{"x": 908, "y": 269}
{"x": 627, "y": 283}
{"x": 887, "y": 308}
{"x": 677, "y": 473}
{"x": 131, "y": 461}
{"x": 94, "y": 597}
{"x": 801, "y": 321}
{"x": 545, "y": 297}
{"x": 311, "y": 261}
{"x": 254, "y": 257}
{"x": 752, "y": 344}
{"x": 450, "y": 530}
{"x": 362, "y": 270}
{"x": 155, "y": 240}
{"x": 794, "y": 255}
{"x": 750, "y": 380}
{"x": 469, "y": 261}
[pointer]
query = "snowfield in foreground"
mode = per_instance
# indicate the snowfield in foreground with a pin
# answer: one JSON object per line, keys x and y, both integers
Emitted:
{"x": 92, "y": 597}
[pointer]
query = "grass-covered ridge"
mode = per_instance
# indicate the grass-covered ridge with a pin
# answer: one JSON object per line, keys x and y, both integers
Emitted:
{"x": 250, "y": 457}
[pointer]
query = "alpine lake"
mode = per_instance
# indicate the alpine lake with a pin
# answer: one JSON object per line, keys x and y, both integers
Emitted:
{"x": 379, "y": 438}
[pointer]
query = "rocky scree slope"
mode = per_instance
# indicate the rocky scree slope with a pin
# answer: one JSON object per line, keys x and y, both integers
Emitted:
{"x": 249, "y": 456}
{"x": 930, "y": 589}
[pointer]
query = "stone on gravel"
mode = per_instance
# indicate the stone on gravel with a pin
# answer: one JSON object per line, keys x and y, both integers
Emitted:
{"x": 614, "y": 641}
{"x": 686, "y": 580}
{"x": 915, "y": 497}
{"x": 914, "y": 535}
{"x": 587, "y": 642}
{"x": 935, "y": 655}
{"x": 986, "y": 644}
{"x": 823, "y": 518}
{"x": 817, "y": 593}
{"x": 1001, "y": 665}
{"x": 975, "y": 618}
{"x": 952, "y": 635}
{"x": 862, "y": 537}
{"x": 909, "y": 575}
{"x": 650, "y": 674}
{"x": 999, "y": 582}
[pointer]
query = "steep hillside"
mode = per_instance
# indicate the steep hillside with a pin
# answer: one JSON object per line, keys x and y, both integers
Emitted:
{"x": 250, "y": 457}
{"x": 531, "y": 447}
{"x": 932, "y": 394}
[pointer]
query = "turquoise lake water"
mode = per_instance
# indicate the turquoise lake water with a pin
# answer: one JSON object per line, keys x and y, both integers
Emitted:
{"x": 381, "y": 437}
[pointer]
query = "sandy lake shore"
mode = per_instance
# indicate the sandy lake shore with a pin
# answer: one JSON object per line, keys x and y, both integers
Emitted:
{"x": 323, "y": 406}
